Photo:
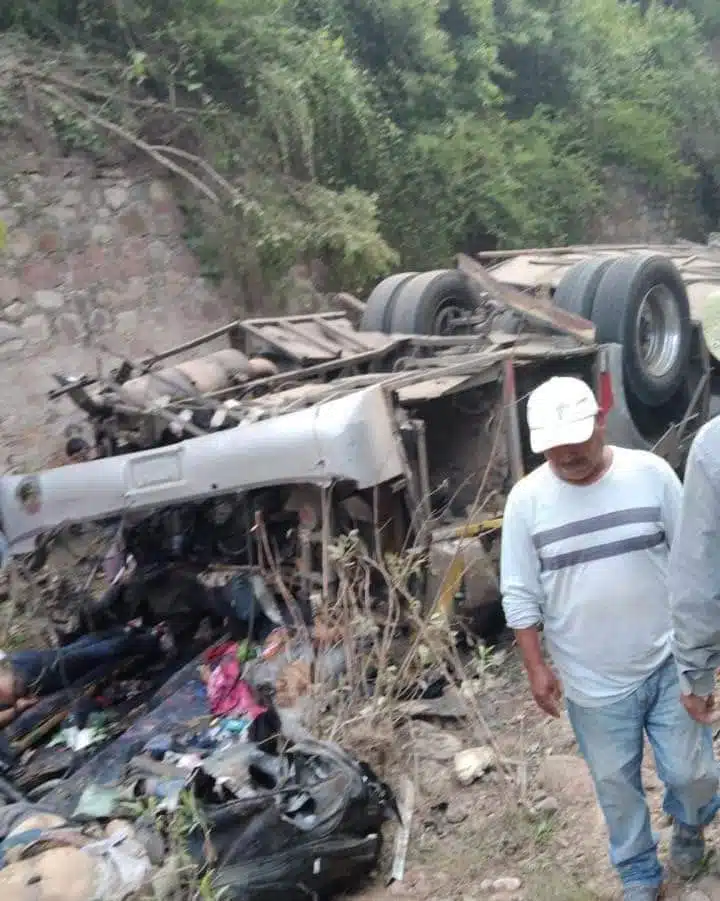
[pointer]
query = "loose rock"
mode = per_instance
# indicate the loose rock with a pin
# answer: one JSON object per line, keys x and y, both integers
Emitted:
{"x": 49, "y": 300}
{"x": 548, "y": 805}
{"x": 15, "y": 311}
{"x": 473, "y": 763}
{"x": 507, "y": 884}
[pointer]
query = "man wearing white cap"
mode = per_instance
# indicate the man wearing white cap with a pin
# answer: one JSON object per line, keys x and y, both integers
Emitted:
{"x": 585, "y": 546}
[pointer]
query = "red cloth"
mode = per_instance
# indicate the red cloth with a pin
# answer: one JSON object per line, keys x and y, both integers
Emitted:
{"x": 228, "y": 694}
{"x": 217, "y": 651}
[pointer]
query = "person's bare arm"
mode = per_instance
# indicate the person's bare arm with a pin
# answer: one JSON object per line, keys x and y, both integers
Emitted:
{"x": 528, "y": 640}
{"x": 544, "y": 684}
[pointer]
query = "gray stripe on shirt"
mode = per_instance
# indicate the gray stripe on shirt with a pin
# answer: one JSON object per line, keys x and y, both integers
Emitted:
{"x": 596, "y": 523}
{"x": 602, "y": 551}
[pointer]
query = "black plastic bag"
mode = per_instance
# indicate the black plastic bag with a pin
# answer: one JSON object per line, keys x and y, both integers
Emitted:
{"x": 312, "y": 827}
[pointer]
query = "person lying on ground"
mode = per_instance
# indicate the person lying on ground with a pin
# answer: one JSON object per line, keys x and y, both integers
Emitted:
{"x": 694, "y": 577}
{"x": 27, "y": 675}
{"x": 584, "y": 558}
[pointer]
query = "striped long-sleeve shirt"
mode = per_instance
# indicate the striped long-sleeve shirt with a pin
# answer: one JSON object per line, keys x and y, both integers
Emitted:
{"x": 590, "y": 564}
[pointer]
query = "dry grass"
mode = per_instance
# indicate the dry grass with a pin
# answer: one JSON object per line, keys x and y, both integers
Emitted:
{"x": 390, "y": 645}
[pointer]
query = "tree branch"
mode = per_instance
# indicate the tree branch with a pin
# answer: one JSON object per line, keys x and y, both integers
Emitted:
{"x": 121, "y": 132}
{"x": 100, "y": 94}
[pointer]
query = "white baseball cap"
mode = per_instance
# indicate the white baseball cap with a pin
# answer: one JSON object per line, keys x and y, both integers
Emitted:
{"x": 561, "y": 411}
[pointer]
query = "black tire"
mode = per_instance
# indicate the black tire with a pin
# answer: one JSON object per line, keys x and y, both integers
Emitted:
{"x": 636, "y": 284}
{"x": 378, "y": 309}
{"x": 577, "y": 288}
{"x": 422, "y": 303}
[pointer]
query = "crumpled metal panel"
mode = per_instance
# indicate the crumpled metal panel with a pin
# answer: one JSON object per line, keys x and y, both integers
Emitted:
{"x": 350, "y": 438}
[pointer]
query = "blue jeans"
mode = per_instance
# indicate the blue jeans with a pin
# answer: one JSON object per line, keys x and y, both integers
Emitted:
{"x": 48, "y": 671}
{"x": 611, "y": 741}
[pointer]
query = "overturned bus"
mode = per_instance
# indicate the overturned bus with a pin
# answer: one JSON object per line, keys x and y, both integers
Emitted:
{"x": 400, "y": 420}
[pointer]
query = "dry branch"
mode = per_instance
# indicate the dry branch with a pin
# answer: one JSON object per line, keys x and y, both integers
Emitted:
{"x": 160, "y": 154}
{"x": 100, "y": 94}
{"x": 123, "y": 133}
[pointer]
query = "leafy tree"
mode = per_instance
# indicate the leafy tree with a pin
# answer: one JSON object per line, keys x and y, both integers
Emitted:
{"x": 386, "y": 132}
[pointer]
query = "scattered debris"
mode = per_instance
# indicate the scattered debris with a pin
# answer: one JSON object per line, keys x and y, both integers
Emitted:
{"x": 402, "y": 836}
{"x": 331, "y": 563}
{"x": 312, "y": 823}
{"x": 66, "y": 863}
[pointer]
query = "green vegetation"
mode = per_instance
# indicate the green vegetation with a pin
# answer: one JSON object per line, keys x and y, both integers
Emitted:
{"x": 376, "y": 133}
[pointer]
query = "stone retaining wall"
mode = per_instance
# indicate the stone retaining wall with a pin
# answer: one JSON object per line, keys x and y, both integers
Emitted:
{"x": 94, "y": 267}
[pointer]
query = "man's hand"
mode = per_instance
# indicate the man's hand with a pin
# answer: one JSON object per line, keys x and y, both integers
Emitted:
{"x": 546, "y": 689}
{"x": 702, "y": 710}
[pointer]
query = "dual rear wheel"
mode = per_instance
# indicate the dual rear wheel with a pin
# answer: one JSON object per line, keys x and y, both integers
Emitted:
{"x": 637, "y": 301}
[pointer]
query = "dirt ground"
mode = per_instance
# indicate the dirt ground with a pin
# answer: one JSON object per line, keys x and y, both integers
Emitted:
{"x": 526, "y": 831}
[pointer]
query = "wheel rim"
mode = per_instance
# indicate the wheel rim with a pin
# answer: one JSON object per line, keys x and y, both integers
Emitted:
{"x": 658, "y": 331}
{"x": 446, "y": 317}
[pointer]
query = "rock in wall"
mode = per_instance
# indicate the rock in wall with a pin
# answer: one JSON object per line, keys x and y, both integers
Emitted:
{"x": 94, "y": 267}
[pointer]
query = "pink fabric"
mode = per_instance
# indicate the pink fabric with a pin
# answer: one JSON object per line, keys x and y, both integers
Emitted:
{"x": 228, "y": 694}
